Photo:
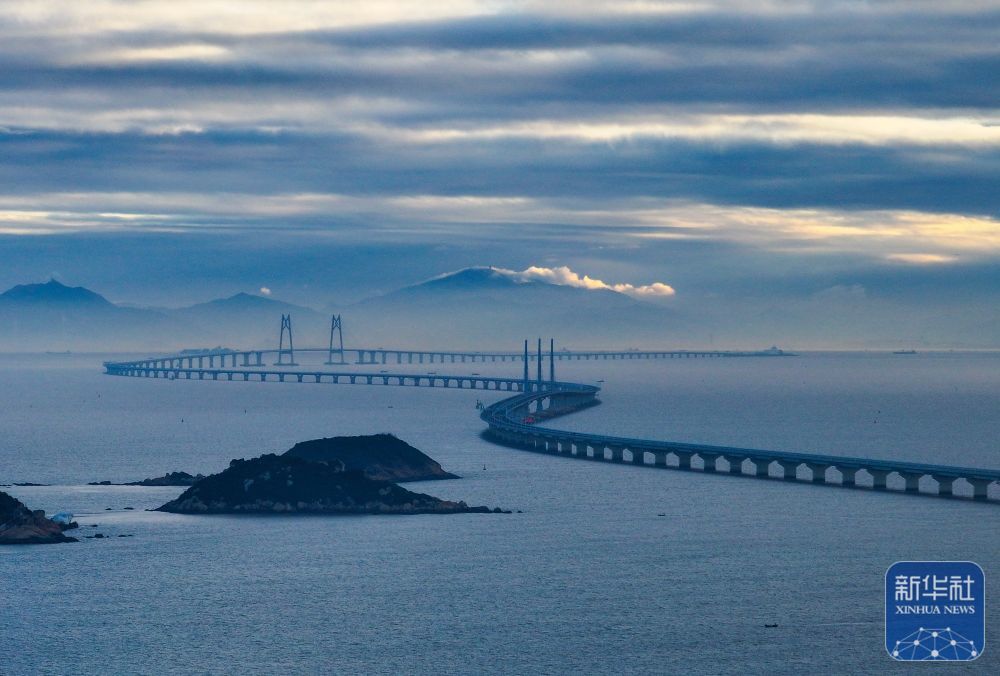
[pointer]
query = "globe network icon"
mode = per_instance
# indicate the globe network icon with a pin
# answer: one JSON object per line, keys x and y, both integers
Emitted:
{"x": 935, "y": 611}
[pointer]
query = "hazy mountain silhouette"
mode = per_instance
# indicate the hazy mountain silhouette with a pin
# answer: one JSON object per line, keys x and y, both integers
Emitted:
{"x": 53, "y": 316}
{"x": 53, "y": 293}
{"x": 490, "y": 308}
{"x": 247, "y": 319}
{"x": 473, "y": 308}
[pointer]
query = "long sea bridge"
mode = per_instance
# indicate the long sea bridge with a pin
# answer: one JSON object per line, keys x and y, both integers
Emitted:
{"x": 515, "y": 420}
{"x": 384, "y": 356}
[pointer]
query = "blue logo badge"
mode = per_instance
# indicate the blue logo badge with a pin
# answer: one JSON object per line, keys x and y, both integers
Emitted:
{"x": 935, "y": 610}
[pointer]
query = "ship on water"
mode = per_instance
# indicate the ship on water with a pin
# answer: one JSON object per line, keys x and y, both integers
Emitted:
{"x": 904, "y": 352}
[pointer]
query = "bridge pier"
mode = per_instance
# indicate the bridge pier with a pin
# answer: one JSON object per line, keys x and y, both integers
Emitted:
{"x": 944, "y": 484}
{"x": 735, "y": 463}
{"x": 912, "y": 480}
{"x": 980, "y": 488}
{"x": 762, "y": 467}
{"x": 638, "y": 457}
{"x": 683, "y": 459}
{"x": 709, "y": 460}
{"x": 818, "y": 472}
{"x": 878, "y": 478}
{"x": 660, "y": 459}
{"x": 789, "y": 469}
{"x": 848, "y": 475}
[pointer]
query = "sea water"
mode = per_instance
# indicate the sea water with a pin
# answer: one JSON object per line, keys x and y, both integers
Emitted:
{"x": 588, "y": 578}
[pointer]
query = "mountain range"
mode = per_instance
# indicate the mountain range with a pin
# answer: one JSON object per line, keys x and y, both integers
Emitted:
{"x": 473, "y": 308}
{"x": 56, "y": 317}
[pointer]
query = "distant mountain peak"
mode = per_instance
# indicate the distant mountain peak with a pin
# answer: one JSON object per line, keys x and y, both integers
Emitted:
{"x": 242, "y": 303}
{"x": 53, "y": 292}
{"x": 476, "y": 276}
{"x": 244, "y": 299}
{"x": 483, "y": 277}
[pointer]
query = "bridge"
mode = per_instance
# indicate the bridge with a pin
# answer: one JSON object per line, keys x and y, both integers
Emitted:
{"x": 514, "y": 420}
{"x": 385, "y": 356}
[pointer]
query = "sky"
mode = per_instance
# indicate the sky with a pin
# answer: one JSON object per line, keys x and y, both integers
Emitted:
{"x": 795, "y": 160}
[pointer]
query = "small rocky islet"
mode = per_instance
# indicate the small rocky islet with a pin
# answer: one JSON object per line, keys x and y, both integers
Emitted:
{"x": 168, "y": 479}
{"x": 22, "y": 526}
{"x": 288, "y": 484}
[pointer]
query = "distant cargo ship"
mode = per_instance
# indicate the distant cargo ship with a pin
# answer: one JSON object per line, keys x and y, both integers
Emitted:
{"x": 905, "y": 352}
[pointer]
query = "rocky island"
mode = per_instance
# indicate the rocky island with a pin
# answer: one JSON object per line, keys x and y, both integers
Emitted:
{"x": 22, "y": 526}
{"x": 285, "y": 484}
{"x": 383, "y": 457}
{"x": 168, "y": 479}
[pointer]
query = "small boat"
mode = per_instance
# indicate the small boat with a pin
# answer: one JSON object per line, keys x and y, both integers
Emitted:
{"x": 905, "y": 352}
{"x": 771, "y": 626}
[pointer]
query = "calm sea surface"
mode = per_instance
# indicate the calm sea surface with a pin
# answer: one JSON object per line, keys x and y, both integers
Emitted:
{"x": 587, "y": 579}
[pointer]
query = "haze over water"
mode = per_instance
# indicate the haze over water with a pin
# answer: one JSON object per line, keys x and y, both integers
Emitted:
{"x": 588, "y": 578}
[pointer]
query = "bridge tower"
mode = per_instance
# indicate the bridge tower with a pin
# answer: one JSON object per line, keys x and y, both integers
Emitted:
{"x": 539, "y": 360}
{"x": 552, "y": 360}
{"x": 336, "y": 326}
{"x": 286, "y": 325}
{"x": 526, "y": 365}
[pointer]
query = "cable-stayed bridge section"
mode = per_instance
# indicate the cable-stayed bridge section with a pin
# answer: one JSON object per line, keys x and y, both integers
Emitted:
{"x": 383, "y": 356}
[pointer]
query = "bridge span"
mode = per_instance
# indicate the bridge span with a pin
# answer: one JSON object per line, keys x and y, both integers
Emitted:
{"x": 386, "y": 356}
{"x": 514, "y": 421}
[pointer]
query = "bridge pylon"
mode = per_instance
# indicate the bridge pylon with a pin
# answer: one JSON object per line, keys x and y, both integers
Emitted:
{"x": 525, "y": 365}
{"x": 283, "y": 352}
{"x": 539, "y": 360}
{"x": 336, "y": 326}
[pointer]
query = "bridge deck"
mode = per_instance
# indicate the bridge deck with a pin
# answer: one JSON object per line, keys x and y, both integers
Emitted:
{"x": 500, "y": 415}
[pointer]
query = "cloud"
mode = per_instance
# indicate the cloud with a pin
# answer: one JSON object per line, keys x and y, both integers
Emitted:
{"x": 732, "y": 129}
{"x": 265, "y": 291}
{"x": 884, "y": 235}
{"x": 920, "y": 258}
{"x": 564, "y": 276}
